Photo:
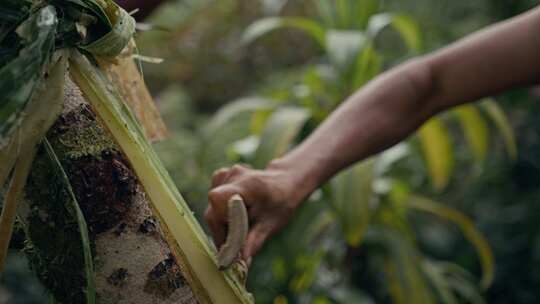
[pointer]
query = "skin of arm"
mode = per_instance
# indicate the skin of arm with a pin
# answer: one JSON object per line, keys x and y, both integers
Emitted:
{"x": 381, "y": 114}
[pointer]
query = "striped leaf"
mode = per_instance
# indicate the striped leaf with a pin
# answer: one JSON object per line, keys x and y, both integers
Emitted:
{"x": 476, "y": 130}
{"x": 498, "y": 117}
{"x": 351, "y": 195}
{"x": 266, "y": 25}
{"x": 438, "y": 152}
{"x": 279, "y": 134}
{"x": 469, "y": 231}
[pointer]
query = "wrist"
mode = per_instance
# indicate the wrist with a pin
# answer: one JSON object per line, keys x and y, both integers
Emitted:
{"x": 296, "y": 176}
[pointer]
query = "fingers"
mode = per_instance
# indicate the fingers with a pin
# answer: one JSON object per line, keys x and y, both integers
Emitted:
{"x": 219, "y": 177}
{"x": 217, "y": 226}
{"x": 227, "y": 182}
{"x": 219, "y": 197}
{"x": 217, "y": 213}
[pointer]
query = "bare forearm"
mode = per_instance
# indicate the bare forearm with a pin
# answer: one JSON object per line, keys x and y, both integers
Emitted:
{"x": 392, "y": 106}
{"x": 385, "y": 112}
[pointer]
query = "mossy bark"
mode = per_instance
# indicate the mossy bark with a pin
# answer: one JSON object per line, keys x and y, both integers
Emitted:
{"x": 132, "y": 260}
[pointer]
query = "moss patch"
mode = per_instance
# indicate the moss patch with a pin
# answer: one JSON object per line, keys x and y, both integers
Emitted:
{"x": 77, "y": 135}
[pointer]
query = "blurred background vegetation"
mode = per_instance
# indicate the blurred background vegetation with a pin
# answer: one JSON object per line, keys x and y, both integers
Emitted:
{"x": 243, "y": 80}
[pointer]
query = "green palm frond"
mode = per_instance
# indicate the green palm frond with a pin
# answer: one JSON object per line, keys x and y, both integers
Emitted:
{"x": 352, "y": 193}
{"x": 466, "y": 225}
{"x": 438, "y": 152}
{"x": 280, "y": 133}
{"x": 19, "y": 77}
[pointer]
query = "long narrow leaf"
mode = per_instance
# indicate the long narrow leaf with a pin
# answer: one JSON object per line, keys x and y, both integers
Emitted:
{"x": 326, "y": 11}
{"x": 235, "y": 108}
{"x": 81, "y": 222}
{"x": 469, "y": 231}
{"x": 404, "y": 25}
{"x": 461, "y": 281}
{"x": 475, "y": 128}
{"x": 279, "y": 134}
{"x": 505, "y": 128}
{"x": 344, "y": 13}
{"x": 362, "y": 11}
{"x": 13, "y": 196}
{"x": 343, "y": 46}
{"x": 266, "y": 25}
{"x": 408, "y": 285}
{"x": 39, "y": 116}
{"x": 439, "y": 282}
{"x": 368, "y": 65}
{"x": 438, "y": 152}
{"x": 351, "y": 196}
{"x": 19, "y": 77}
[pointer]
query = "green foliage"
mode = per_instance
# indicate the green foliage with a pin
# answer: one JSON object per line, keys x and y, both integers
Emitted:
{"x": 438, "y": 153}
{"x": 74, "y": 208}
{"x": 31, "y": 29}
{"x": 372, "y": 200}
{"x": 280, "y": 131}
{"x": 19, "y": 76}
{"x": 502, "y": 123}
{"x": 289, "y": 68}
{"x": 352, "y": 193}
{"x": 475, "y": 129}
{"x": 465, "y": 224}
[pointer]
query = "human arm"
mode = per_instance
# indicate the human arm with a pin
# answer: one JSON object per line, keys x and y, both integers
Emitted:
{"x": 384, "y": 112}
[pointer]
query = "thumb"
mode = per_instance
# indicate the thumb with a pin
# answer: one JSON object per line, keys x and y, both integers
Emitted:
{"x": 254, "y": 241}
{"x": 218, "y": 198}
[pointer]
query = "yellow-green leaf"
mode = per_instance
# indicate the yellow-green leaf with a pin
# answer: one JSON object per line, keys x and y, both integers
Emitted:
{"x": 402, "y": 268}
{"x": 475, "y": 128}
{"x": 264, "y": 26}
{"x": 351, "y": 194}
{"x": 233, "y": 110}
{"x": 438, "y": 153}
{"x": 368, "y": 65}
{"x": 343, "y": 46}
{"x": 404, "y": 25}
{"x": 40, "y": 114}
{"x": 439, "y": 282}
{"x": 409, "y": 31}
{"x": 505, "y": 128}
{"x": 279, "y": 134}
{"x": 470, "y": 232}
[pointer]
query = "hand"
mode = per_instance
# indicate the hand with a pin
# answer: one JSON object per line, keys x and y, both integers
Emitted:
{"x": 271, "y": 197}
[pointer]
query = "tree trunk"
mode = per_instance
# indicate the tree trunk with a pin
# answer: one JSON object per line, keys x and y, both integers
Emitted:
{"x": 132, "y": 261}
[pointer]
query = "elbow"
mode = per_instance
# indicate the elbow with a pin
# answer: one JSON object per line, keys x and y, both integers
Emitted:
{"x": 421, "y": 77}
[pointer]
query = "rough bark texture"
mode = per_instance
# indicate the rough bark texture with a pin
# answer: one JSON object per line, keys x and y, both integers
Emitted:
{"x": 132, "y": 261}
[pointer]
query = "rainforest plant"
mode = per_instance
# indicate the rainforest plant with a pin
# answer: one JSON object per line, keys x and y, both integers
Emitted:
{"x": 43, "y": 43}
{"x": 373, "y": 201}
